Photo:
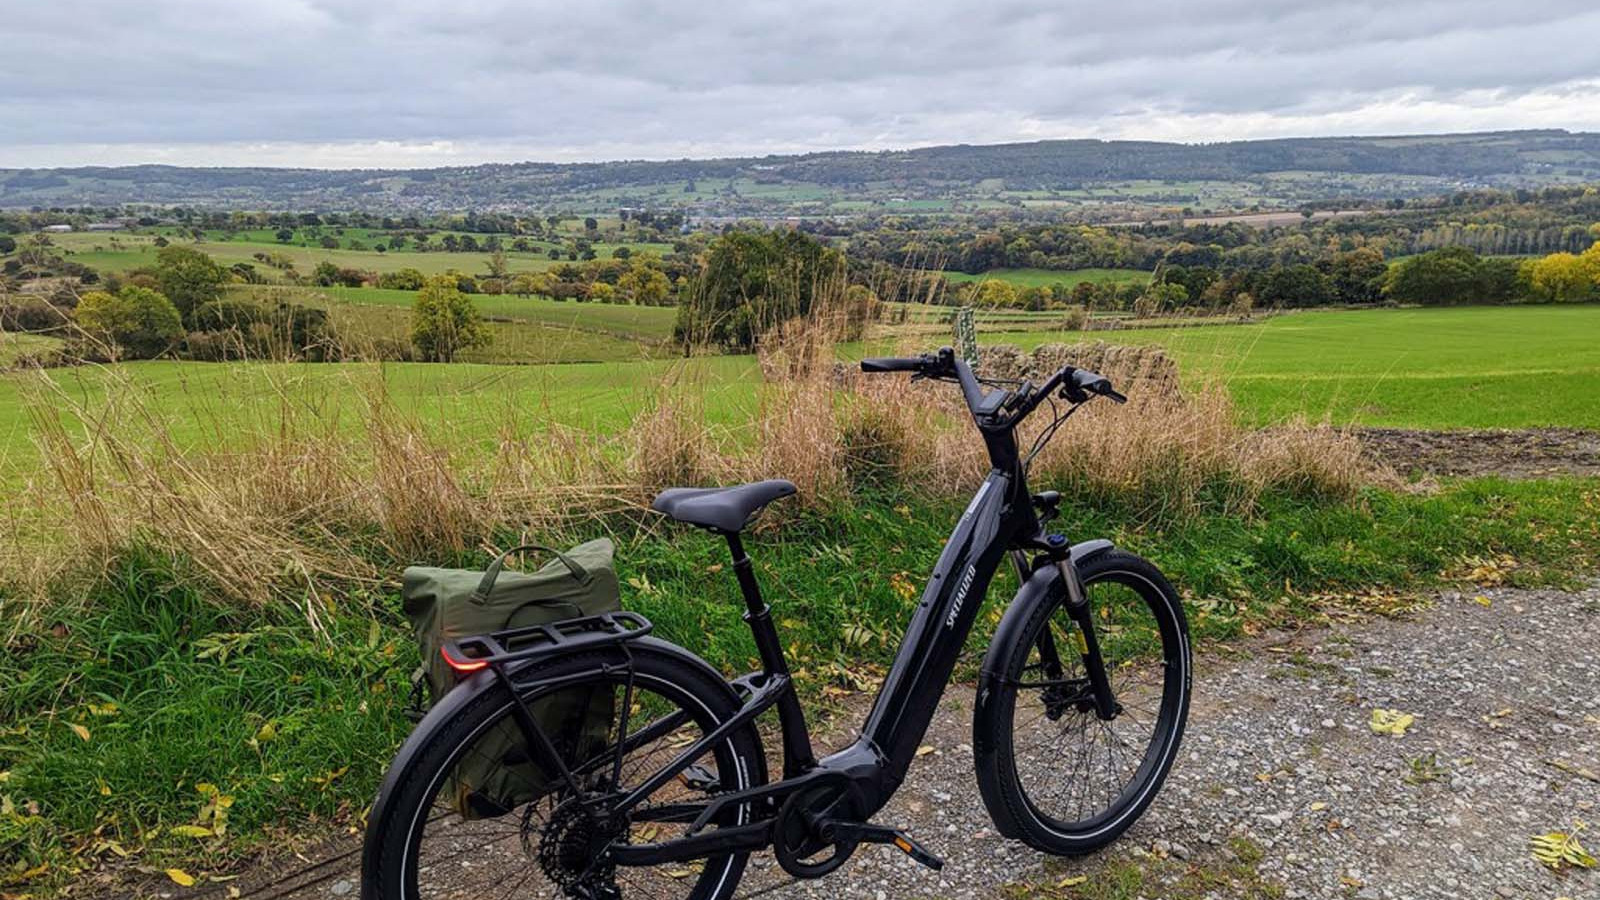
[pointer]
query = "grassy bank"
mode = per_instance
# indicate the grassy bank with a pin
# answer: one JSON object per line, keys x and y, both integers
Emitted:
{"x": 116, "y": 716}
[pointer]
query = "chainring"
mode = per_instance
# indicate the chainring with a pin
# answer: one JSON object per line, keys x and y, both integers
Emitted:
{"x": 794, "y": 836}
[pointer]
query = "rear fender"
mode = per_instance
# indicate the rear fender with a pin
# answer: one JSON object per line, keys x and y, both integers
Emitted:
{"x": 470, "y": 689}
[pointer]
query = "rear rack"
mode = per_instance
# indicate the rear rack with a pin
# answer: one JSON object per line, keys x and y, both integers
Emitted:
{"x": 514, "y": 644}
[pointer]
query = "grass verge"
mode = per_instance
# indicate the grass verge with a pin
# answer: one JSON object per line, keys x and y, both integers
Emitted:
{"x": 126, "y": 720}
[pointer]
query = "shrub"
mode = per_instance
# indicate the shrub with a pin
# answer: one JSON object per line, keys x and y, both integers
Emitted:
{"x": 407, "y": 279}
{"x": 142, "y": 322}
{"x": 444, "y": 322}
{"x": 25, "y": 313}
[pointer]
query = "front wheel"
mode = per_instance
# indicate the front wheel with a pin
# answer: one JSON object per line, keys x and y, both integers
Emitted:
{"x": 1059, "y": 773}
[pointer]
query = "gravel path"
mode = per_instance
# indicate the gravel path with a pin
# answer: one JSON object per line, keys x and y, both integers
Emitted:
{"x": 1283, "y": 789}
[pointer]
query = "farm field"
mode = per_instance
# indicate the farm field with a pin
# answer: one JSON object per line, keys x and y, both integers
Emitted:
{"x": 643, "y": 323}
{"x": 1042, "y": 277}
{"x": 1483, "y": 367}
{"x": 1472, "y": 367}
{"x": 114, "y": 252}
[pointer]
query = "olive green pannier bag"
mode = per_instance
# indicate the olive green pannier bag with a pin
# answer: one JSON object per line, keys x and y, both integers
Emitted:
{"x": 497, "y": 776}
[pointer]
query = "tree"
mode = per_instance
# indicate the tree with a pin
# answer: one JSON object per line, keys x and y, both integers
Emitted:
{"x": 7, "y": 243}
{"x": 590, "y": 224}
{"x": 1562, "y": 277}
{"x": 1446, "y": 276}
{"x": 994, "y": 294}
{"x": 752, "y": 281}
{"x": 142, "y": 322}
{"x": 1294, "y": 286}
{"x": 497, "y": 264}
{"x": 647, "y": 286}
{"x": 188, "y": 278}
{"x": 284, "y": 235}
{"x": 444, "y": 322}
{"x": 1358, "y": 275}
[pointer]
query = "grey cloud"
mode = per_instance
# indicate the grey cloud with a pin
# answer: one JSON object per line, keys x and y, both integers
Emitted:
{"x": 563, "y": 80}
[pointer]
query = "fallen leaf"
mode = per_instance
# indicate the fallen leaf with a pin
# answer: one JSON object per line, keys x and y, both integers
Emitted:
{"x": 925, "y": 749}
{"x": 1391, "y": 721}
{"x": 1560, "y": 849}
{"x": 1483, "y": 601}
{"x": 266, "y": 732}
{"x": 1318, "y": 806}
{"x": 79, "y": 730}
{"x": 1072, "y": 881}
{"x": 194, "y": 831}
{"x": 181, "y": 877}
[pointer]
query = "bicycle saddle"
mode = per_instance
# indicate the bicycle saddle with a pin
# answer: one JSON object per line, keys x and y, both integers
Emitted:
{"x": 725, "y": 509}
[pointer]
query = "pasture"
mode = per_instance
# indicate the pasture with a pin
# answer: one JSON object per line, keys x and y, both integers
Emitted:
{"x": 1482, "y": 367}
{"x": 121, "y": 252}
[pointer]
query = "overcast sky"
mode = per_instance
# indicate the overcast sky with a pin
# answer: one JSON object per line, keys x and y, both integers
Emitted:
{"x": 381, "y": 83}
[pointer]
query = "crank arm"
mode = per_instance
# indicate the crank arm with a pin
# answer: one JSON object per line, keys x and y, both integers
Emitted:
{"x": 835, "y": 831}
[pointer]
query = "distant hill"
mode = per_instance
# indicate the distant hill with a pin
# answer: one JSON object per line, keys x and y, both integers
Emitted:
{"x": 1086, "y": 174}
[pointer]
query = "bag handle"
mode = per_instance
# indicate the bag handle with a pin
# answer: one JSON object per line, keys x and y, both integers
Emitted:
{"x": 481, "y": 595}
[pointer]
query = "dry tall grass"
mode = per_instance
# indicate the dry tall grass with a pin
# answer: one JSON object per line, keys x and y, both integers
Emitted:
{"x": 301, "y": 501}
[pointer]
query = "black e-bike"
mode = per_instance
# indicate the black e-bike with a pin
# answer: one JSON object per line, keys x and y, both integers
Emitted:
{"x": 1080, "y": 706}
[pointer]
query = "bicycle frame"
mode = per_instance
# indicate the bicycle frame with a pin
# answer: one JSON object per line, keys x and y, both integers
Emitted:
{"x": 1000, "y": 519}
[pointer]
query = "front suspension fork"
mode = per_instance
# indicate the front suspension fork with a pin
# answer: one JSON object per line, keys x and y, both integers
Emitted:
{"x": 1105, "y": 703}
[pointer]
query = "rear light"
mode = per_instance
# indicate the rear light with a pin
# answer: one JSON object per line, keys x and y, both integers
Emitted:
{"x": 463, "y": 666}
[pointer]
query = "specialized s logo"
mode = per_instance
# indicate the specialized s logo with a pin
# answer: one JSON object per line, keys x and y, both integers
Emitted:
{"x": 961, "y": 596}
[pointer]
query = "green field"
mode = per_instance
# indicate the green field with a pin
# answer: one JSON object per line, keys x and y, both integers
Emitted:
{"x": 1477, "y": 367}
{"x": 118, "y": 252}
{"x": 1507, "y": 367}
{"x": 643, "y": 323}
{"x": 1044, "y": 277}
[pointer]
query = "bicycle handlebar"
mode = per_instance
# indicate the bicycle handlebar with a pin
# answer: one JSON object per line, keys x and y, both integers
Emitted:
{"x": 894, "y": 364}
{"x": 1075, "y": 384}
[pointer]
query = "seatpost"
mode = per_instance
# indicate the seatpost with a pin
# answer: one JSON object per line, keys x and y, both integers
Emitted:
{"x": 797, "y": 756}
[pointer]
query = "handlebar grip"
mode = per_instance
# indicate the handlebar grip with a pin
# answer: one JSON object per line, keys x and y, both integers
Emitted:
{"x": 892, "y": 364}
{"x": 1095, "y": 383}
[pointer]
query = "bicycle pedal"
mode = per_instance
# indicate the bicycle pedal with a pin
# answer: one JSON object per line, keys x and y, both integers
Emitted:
{"x": 698, "y": 778}
{"x": 900, "y": 840}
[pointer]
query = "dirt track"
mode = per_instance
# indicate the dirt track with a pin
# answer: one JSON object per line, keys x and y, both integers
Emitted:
{"x": 1521, "y": 453}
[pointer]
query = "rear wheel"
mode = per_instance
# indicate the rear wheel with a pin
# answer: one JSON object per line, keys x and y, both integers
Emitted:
{"x": 474, "y": 819}
{"x": 1062, "y": 778}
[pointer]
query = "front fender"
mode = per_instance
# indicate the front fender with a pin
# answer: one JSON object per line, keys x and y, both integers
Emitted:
{"x": 987, "y": 727}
